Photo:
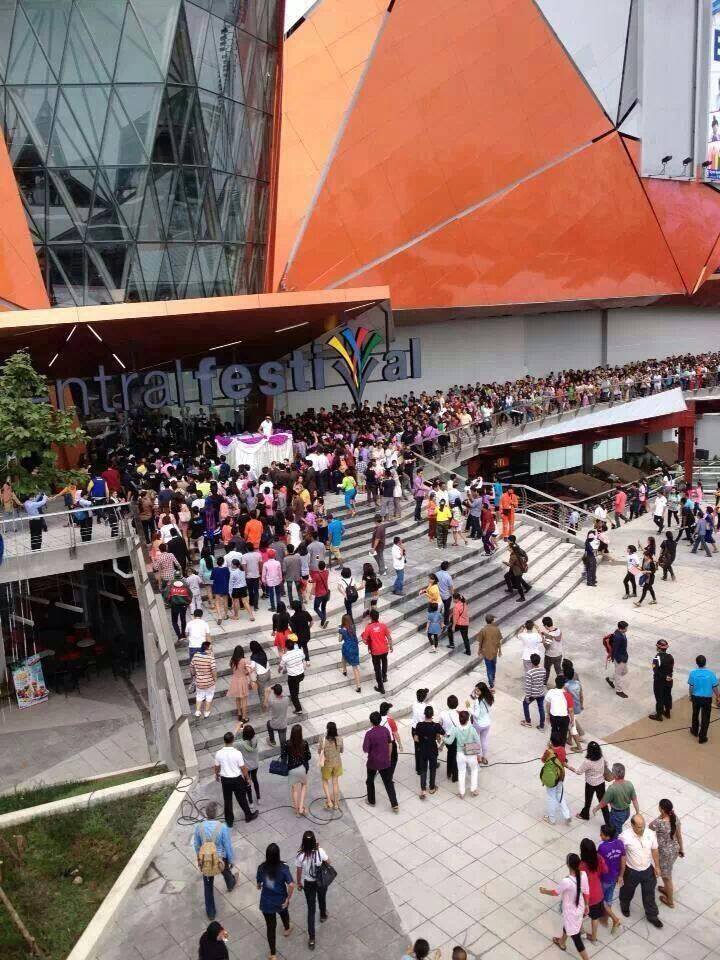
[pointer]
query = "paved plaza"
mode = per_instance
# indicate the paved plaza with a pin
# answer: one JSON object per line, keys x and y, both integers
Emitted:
{"x": 467, "y": 871}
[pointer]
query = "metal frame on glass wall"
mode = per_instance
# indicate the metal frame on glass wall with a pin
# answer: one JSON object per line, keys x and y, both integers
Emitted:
{"x": 139, "y": 132}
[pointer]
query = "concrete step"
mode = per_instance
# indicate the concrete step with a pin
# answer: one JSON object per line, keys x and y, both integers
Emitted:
{"x": 350, "y": 711}
{"x": 466, "y": 572}
{"x": 406, "y": 621}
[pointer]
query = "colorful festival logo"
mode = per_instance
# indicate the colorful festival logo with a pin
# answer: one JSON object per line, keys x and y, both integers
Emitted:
{"x": 356, "y": 362}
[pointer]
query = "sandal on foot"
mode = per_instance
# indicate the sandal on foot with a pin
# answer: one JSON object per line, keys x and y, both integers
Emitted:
{"x": 556, "y": 941}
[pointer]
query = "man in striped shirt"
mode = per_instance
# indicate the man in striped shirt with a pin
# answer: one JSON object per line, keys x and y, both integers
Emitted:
{"x": 165, "y": 566}
{"x": 534, "y": 690}
{"x": 204, "y": 673}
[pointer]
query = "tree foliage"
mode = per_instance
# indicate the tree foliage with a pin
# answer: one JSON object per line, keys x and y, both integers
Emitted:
{"x": 29, "y": 427}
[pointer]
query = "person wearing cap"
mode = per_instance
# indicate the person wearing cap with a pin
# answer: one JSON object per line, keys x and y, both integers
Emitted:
{"x": 389, "y": 722}
{"x": 662, "y": 666}
{"x": 272, "y": 578}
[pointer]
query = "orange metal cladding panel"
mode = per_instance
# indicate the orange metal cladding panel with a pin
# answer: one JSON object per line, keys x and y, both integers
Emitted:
{"x": 460, "y": 100}
{"x": 323, "y": 63}
{"x": 583, "y": 229}
{"x": 689, "y": 214}
{"x": 21, "y": 282}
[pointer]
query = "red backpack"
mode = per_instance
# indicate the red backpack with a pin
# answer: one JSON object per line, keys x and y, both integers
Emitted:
{"x": 607, "y": 644}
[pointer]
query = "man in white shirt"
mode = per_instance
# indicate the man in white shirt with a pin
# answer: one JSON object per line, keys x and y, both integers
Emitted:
{"x": 633, "y": 569}
{"x": 659, "y": 511}
{"x": 292, "y": 662}
{"x": 266, "y": 427}
{"x": 531, "y": 643}
{"x": 234, "y": 778}
{"x": 398, "y": 562}
{"x": 556, "y": 707}
{"x": 600, "y": 516}
{"x": 197, "y": 632}
{"x": 639, "y": 867}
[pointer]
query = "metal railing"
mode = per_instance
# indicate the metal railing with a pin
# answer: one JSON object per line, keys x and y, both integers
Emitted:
{"x": 68, "y": 529}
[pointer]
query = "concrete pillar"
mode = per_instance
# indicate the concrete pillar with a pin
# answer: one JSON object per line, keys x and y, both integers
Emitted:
{"x": 587, "y": 457}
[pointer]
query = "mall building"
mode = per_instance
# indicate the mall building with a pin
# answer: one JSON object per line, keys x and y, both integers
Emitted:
{"x": 494, "y": 187}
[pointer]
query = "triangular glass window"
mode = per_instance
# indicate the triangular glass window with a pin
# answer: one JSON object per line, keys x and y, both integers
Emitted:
{"x": 36, "y": 106}
{"x": 49, "y": 19}
{"x": 89, "y": 105}
{"x": 135, "y": 63}
{"x": 26, "y": 61}
{"x": 82, "y": 62}
{"x": 68, "y": 146}
{"x": 7, "y": 16}
{"x": 195, "y": 287}
{"x": 158, "y": 19}
{"x": 104, "y": 23}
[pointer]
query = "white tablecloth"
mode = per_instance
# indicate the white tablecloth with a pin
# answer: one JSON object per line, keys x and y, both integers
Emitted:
{"x": 255, "y": 449}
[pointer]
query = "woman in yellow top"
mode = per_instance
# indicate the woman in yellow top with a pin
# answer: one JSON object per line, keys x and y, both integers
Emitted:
{"x": 432, "y": 594}
{"x": 348, "y": 488}
{"x": 442, "y": 523}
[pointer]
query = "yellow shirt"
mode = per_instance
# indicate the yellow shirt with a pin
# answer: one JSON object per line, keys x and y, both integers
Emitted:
{"x": 432, "y": 592}
{"x": 305, "y": 496}
{"x": 444, "y": 513}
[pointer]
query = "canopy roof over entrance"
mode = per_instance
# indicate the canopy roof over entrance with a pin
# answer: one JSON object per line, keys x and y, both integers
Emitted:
{"x": 72, "y": 341}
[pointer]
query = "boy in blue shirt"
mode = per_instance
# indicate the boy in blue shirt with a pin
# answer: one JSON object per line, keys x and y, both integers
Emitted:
{"x": 703, "y": 685}
{"x": 434, "y": 625}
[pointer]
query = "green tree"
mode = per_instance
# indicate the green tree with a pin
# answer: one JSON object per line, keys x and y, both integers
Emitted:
{"x": 29, "y": 427}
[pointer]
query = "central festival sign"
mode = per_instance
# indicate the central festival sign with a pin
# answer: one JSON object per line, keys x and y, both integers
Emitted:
{"x": 299, "y": 373}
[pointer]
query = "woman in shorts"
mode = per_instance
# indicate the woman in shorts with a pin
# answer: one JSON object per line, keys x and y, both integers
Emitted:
{"x": 593, "y": 865}
{"x": 330, "y": 750}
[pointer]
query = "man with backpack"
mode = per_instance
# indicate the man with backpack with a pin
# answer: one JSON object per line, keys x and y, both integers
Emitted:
{"x": 178, "y": 596}
{"x": 552, "y": 777}
{"x": 517, "y": 564}
{"x": 213, "y": 848}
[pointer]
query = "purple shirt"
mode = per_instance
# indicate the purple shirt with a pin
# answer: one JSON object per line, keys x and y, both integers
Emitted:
{"x": 612, "y": 851}
{"x": 377, "y": 747}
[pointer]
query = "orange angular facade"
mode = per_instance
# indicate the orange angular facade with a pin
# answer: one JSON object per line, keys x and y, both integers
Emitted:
{"x": 471, "y": 165}
{"x": 21, "y": 284}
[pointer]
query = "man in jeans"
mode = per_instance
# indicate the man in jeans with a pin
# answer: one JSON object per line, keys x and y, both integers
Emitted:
{"x": 640, "y": 868}
{"x": 534, "y": 681}
{"x": 292, "y": 662}
{"x": 212, "y": 829}
{"x": 618, "y": 796}
{"x": 278, "y": 709}
{"x": 490, "y": 647}
{"x": 379, "y": 641}
{"x": 619, "y": 656}
{"x": 398, "y": 561}
{"x": 292, "y": 571}
{"x": 378, "y": 747}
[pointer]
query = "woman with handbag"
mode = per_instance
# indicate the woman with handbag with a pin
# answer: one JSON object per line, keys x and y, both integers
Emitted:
{"x": 479, "y": 706}
{"x": 296, "y": 754}
{"x": 309, "y": 864}
{"x": 330, "y": 762}
{"x": 350, "y": 649}
{"x": 467, "y": 742}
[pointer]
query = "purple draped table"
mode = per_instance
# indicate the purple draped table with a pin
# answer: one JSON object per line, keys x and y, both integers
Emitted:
{"x": 255, "y": 449}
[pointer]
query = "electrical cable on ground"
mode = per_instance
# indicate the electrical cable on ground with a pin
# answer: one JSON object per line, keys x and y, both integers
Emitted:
{"x": 192, "y": 810}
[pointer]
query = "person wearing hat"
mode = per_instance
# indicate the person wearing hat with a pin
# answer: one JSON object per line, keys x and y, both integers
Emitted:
{"x": 389, "y": 722}
{"x": 662, "y": 666}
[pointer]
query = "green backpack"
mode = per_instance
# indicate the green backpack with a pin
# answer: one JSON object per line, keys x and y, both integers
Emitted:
{"x": 552, "y": 772}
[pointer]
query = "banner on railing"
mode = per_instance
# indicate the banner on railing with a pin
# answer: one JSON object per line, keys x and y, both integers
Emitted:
{"x": 29, "y": 682}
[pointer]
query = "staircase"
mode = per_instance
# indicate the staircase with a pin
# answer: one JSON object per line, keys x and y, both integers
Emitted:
{"x": 554, "y": 570}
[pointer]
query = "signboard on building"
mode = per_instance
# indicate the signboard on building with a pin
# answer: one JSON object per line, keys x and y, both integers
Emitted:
{"x": 351, "y": 352}
{"x": 29, "y": 682}
{"x": 713, "y": 136}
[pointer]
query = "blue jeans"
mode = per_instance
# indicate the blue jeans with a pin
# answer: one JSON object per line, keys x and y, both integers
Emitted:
{"x": 490, "y": 666}
{"x": 274, "y": 596}
{"x": 230, "y": 882}
{"x": 541, "y": 709}
{"x": 609, "y": 891}
{"x": 618, "y": 818}
{"x": 399, "y": 581}
{"x": 320, "y": 606}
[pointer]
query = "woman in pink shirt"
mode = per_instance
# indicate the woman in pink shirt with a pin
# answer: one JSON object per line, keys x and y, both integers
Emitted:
{"x": 460, "y": 620}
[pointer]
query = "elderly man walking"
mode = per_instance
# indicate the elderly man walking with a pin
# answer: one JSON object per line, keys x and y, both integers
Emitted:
{"x": 640, "y": 868}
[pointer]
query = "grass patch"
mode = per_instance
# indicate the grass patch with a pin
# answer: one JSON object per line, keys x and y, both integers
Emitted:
{"x": 98, "y": 841}
{"x": 33, "y": 797}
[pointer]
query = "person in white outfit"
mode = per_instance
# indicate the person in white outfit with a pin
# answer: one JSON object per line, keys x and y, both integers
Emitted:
{"x": 479, "y": 706}
{"x": 462, "y": 735}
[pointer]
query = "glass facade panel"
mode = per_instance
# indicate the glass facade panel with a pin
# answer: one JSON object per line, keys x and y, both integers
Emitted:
{"x": 139, "y": 132}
